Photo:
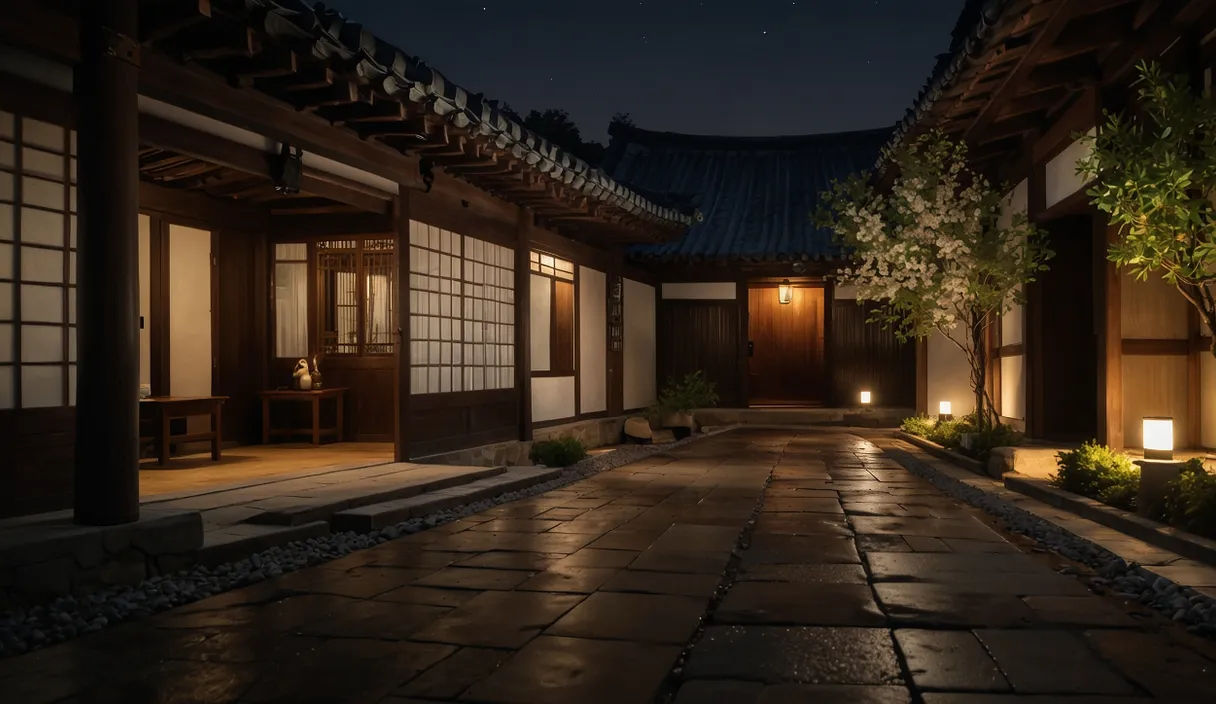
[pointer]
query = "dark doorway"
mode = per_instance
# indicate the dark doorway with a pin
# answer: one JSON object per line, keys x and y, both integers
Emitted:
{"x": 1068, "y": 348}
{"x": 786, "y": 362}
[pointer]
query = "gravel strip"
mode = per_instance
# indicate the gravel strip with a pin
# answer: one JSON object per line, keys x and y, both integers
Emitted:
{"x": 1126, "y": 580}
{"x": 24, "y": 630}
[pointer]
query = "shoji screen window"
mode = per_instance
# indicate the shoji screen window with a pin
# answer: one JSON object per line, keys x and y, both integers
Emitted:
{"x": 37, "y": 264}
{"x": 291, "y": 300}
{"x": 553, "y": 344}
{"x": 462, "y": 326}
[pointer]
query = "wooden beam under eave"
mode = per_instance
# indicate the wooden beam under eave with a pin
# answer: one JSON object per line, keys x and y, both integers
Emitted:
{"x": 164, "y": 18}
{"x": 308, "y": 226}
{"x": 1044, "y": 36}
{"x": 247, "y": 45}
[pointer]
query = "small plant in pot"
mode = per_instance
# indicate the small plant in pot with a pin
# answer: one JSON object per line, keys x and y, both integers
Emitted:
{"x": 675, "y": 405}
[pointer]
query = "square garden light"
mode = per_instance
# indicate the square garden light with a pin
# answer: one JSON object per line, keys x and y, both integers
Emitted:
{"x": 944, "y": 411}
{"x": 865, "y": 398}
{"x": 1158, "y": 438}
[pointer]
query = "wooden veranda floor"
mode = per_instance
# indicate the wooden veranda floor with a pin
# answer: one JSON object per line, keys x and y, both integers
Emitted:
{"x": 251, "y": 463}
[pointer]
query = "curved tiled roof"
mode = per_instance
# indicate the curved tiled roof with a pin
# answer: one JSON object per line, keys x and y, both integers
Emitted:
{"x": 968, "y": 43}
{"x": 330, "y": 36}
{"x": 753, "y": 196}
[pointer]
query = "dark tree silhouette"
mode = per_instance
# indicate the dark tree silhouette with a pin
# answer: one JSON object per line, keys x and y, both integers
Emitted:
{"x": 556, "y": 126}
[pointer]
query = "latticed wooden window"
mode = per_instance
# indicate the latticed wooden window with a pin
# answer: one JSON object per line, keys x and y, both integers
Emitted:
{"x": 462, "y": 323}
{"x": 355, "y": 297}
{"x": 37, "y": 264}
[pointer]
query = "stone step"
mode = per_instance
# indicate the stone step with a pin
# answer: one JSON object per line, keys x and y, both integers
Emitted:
{"x": 235, "y": 542}
{"x": 387, "y": 513}
{"x": 302, "y": 510}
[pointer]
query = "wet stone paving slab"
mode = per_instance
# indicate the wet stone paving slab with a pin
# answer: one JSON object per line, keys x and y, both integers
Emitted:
{"x": 751, "y": 567}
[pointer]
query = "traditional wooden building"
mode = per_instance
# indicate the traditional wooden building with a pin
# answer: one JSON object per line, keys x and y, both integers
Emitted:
{"x": 197, "y": 194}
{"x": 1093, "y": 351}
{"x": 723, "y": 308}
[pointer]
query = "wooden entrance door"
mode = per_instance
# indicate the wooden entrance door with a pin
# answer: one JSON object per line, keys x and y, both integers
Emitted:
{"x": 786, "y": 350}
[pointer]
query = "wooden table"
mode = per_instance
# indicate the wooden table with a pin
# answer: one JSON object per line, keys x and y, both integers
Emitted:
{"x": 315, "y": 397}
{"x": 159, "y": 411}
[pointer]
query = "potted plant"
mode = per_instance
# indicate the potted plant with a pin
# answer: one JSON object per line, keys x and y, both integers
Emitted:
{"x": 674, "y": 407}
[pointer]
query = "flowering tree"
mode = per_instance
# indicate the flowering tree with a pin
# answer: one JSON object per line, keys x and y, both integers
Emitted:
{"x": 1156, "y": 177}
{"x": 935, "y": 253}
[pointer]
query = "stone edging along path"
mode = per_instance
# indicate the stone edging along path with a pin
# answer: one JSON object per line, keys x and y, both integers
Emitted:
{"x": 1127, "y": 580}
{"x": 25, "y": 630}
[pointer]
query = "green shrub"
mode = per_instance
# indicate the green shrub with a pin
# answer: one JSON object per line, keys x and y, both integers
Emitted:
{"x": 1098, "y": 472}
{"x": 985, "y": 441}
{"x": 1190, "y": 502}
{"x": 949, "y": 433}
{"x": 920, "y": 426}
{"x": 562, "y": 452}
{"x": 684, "y": 396}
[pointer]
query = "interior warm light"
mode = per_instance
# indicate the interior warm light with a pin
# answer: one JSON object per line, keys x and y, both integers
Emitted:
{"x": 865, "y": 397}
{"x": 1158, "y": 438}
{"x": 785, "y": 292}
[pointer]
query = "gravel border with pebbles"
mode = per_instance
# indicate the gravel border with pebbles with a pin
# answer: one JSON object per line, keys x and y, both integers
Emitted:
{"x": 25, "y": 630}
{"x": 1126, "y": 580}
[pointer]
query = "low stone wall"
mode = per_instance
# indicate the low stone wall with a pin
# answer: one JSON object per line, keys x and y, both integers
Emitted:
{"x": 593, "y": 433}
{"x": 46, "y": 556}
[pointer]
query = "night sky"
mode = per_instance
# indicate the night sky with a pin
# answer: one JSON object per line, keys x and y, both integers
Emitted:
{"x": 732, "y": 67}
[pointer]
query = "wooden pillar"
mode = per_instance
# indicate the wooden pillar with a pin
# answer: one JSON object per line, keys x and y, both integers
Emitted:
{"x": 1032, "y": 314}
{"x": 1108, "y": 315}
{"x": 616, "y": 358}
{"x": 922, "y": 376}
{"x": 523, "y": 322}
{"x": 829, "y": 348}
{"x": 401, "y": 246}
{"x": 106, "y": 488}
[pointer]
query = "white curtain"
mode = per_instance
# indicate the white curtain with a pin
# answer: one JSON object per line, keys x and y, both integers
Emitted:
{"x": 291, "y": 309}
{"x": 379, "y": 312}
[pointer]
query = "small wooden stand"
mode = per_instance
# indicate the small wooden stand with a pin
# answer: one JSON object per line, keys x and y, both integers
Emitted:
{"x": 314, "y": 397}
{"x": 159, "y": 411}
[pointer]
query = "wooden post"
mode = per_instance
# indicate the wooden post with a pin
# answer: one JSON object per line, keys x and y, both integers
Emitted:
{"x": 106, "y": 488}
{"x": 401, "y": 245}
{"x": 616, "y": 358}
{"x": 1108, "y": 315}
{"x": 1032, "y": 313}
{"x": 829, "y": 352}
{"x": 523, "y": 322}
{"x": 922, "y": 376}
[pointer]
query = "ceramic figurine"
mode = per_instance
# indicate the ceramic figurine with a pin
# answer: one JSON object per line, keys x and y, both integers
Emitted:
{"x": 302, "y": 377}
{"x": 316, "y": 373}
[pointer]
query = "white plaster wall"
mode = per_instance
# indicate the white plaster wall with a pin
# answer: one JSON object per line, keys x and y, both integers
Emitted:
{"x": 592, "y": 340}
{"x": 1016, "y": 201}
{"x": 1012, "y": 324}
{"x": 949, "y": 376}
{"x": 639, "y": 345}
{"x": 190, "y": 316}
{"x": 845, "y": 293}
{"x": 1013, "y": 387}
{"x": 552, "y": 398}
{"x": 1061, "y": 178}
{"x": 541, "y": 292}
{"x": 145, "y": 299}
{"x": 725, "y": 291}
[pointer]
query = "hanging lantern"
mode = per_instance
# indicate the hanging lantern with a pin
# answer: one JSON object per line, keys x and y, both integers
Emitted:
{"x": 785, "y": 293}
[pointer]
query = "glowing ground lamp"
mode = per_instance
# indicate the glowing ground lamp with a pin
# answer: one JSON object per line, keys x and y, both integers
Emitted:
{"x": 1158, "y": 438}
{"x": 944, "y": 411}
{"x": 865, "y": 398}
{"x": 785, "y": 293}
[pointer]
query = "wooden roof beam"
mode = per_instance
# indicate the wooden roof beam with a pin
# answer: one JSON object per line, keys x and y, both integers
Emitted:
{"x": 247, "y": 46}
{"x": 1044, "y": 37}
{"x": 160, "y": 19}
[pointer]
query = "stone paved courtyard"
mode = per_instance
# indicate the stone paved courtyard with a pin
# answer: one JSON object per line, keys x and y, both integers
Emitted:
{"x": 857, "y": 582}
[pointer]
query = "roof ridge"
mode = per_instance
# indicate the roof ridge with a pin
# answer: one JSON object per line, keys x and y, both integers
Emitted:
{"x": 639, "y": 135}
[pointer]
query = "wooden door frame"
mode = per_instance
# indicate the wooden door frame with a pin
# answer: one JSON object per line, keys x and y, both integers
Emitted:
{"x": 745, "y": 331}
